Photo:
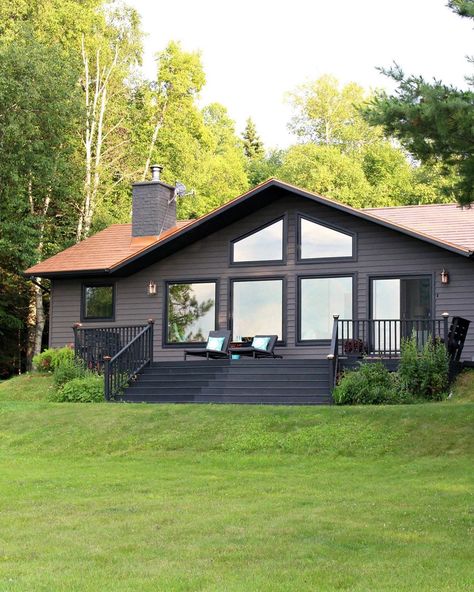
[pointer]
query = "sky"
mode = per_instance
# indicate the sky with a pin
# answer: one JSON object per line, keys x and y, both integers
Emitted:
{"x": 254, "y": 51}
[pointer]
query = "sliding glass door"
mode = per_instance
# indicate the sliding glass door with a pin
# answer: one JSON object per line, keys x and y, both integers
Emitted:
{"x": 409, "y": 302}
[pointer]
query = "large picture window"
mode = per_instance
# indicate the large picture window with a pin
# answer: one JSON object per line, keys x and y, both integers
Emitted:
{"x": 98, "y": 302}
{"x": 318, "y": 241}
{"x": 320, "y": 299}
{"x": 257, "y": 308}
{"x": 265, "y": 244}
{"x": 191, "y": 311}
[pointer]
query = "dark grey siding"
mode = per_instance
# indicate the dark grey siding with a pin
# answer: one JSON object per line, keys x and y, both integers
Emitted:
{"x": 381, "y": 252}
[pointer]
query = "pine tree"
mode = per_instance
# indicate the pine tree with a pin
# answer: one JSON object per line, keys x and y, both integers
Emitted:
{"x": 253, "y": 145}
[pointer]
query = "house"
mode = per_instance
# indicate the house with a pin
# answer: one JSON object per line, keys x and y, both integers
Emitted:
{"x": 276, "y": 260}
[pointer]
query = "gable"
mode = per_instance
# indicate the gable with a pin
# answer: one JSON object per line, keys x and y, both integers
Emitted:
{"x": 177, "y": 238}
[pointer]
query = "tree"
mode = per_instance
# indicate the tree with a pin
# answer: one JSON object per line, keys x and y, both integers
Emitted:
{"x": 38, "y": 174}
{"x": 261, "y": 169}
{"x": 108, "y": 54}
{"x": 328, "y": 171}
{"x": 432, "y": 120}
{"x": 329, "y": 115}
{"x": 221, "y": 173}
{"x": 253, "y": 145}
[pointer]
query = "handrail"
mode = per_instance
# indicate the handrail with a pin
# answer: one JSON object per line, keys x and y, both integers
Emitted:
{"x": 128, "y": 362}
{"x": 333, "y": 354}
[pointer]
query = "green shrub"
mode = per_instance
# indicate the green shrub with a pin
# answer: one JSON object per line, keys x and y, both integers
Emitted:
{"x": 68, "y": 368}
{"x": 43, "y": 362}
{"x": 51, "y": 358}
{"x": 370, "y": 384}
{"x": 87, "y": 389}
{"x": 424, "y": 374}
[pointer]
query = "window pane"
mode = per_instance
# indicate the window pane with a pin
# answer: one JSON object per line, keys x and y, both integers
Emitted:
{"x": 191, "y": 311}
{"x": 263, "y": 245}
{"x": 321, "y": 298}
{"x": 99, "y": 302}
{"x": 258, "y": 308}
{"x": 318, "y": 241}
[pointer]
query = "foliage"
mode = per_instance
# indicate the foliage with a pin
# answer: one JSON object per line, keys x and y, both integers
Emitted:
{"x": 424, "y": 374}
{"x": 52, "y": 358}
{"x": 253, "y": 145}
{"x": 328, "y": 171}
{"x": 261, "y": 169}
{"x": 67, "y": 368}
{"x": 329, "y": 115}
{"x": 88, "y": 388}
{"x": 370, "y": 384}
{"x": 434, "y": 121}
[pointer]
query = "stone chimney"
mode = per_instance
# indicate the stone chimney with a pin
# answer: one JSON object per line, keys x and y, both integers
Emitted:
{"x": 153, "y": 206}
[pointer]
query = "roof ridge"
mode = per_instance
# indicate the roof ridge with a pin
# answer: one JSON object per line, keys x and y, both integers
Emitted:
{"x": 413, "y": 206}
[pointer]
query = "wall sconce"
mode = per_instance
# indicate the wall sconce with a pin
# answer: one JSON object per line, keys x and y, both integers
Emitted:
{"x": 444, "y": 277}
{"x": 151, "y": 288}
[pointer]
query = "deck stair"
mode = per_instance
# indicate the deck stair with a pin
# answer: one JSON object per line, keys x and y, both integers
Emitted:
{"x": 286, "y": 382}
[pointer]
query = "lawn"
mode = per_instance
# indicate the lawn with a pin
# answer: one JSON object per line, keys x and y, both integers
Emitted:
{"x": 105, "y": 497}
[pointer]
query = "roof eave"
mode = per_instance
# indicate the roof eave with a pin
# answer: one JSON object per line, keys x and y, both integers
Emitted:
{"x": 67, "y": 274}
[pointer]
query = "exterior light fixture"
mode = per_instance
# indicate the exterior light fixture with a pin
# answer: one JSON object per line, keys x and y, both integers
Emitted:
{"x": 151, "y": 288}
{"x": 444, "y": 277}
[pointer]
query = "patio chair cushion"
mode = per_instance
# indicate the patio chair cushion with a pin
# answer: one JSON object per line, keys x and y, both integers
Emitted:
{"x": 260, "y": 342}
{"x": 215, "y": 343}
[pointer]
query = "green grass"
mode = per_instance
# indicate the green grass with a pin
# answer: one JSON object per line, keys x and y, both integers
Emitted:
{"x": 104, "y": 497}
{"x": 27, "y": 387}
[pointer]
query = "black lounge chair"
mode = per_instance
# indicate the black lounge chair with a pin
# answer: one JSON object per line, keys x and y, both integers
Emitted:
{"x": 210, "y": 353}
{"x": 257, "y": 352}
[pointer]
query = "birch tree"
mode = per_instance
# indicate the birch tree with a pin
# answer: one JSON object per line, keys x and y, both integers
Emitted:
{"x": 108, "y": 60}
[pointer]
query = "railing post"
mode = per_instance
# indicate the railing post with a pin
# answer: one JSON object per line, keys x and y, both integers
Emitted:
{"x": 151, "y": 323}
{"x": 445, "y": 316}
{"x": 107, "y": 377}
{"x": 332, "y": 357}
{"x": 75, "y": 327}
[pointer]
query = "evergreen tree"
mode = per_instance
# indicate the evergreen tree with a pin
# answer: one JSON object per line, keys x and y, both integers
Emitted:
{"x": 434, "y": 121}
{"x": 253, "y": 145}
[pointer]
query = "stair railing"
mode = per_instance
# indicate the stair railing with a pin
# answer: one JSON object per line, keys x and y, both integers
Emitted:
{"x": 120, "y": 369}
{"x": 334, "y": 354}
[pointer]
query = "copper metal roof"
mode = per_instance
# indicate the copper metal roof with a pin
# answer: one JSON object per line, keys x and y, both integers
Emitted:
{"x": 445, "y": 225}
{"x": 448, "y": 223}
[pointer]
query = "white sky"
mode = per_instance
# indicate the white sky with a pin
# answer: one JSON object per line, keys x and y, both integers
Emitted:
{"x": 253, "y": 51}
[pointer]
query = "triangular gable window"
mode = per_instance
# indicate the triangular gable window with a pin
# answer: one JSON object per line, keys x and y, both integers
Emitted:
{"x": 265, "y": 244}
{"x": 318, "y": 241}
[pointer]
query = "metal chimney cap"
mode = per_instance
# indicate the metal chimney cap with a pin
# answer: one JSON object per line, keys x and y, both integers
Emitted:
{"x": 156, "y": 172}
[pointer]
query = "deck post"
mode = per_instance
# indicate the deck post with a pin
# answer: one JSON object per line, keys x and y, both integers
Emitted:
{"x": 151, "y": 323}
{"x": 445, "y": 316}
{"x": 107, "y": 377}
{"x": 75, "y": 328}
{"x": 332, "y": 357}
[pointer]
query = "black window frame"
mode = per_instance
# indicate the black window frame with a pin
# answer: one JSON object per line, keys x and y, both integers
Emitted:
{"x": 300, "y": 278}
{"x": 300, "y": 260}
{"x": 97, "y": 284}
{"x": 187, "y": 344}
{"x": 284, "y": 292}
{"x": 262, "y": 262}
{"x": 403, "y": 276}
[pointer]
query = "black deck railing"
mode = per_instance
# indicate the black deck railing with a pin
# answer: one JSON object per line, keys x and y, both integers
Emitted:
{"x": 92, "y": 344}
{"x": 380, "y": 338}
{"x": 120, "y": 369}
{"x": 383, "y": 337}
{"x": 118, "y": 352}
